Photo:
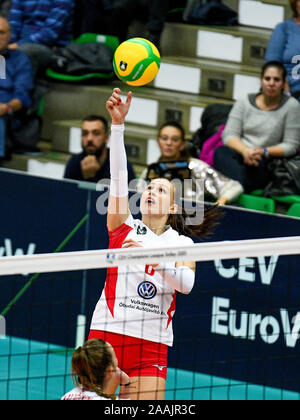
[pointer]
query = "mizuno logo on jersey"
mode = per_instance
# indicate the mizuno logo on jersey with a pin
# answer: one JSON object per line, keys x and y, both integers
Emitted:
{"x": 159, "y": 367}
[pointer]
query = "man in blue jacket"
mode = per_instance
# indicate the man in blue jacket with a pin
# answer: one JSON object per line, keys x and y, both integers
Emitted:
{"x": 39, "y": 25}
{"x": 15, "y": 87}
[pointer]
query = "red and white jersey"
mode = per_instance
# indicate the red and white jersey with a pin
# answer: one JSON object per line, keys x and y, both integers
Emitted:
{"x": 78, "y": 394}
{"x": 136, "y": 301}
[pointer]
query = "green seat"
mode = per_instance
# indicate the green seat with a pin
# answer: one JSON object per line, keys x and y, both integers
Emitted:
{"x": 289, "y": 199}
{"x": 111, "y": 41}
{"x": 252, "y": 202}
{"x": 294, "y": 210}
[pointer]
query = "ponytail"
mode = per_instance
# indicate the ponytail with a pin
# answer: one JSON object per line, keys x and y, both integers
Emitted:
{"x": 212, "y": 216}
{"x": 89, "y": 364}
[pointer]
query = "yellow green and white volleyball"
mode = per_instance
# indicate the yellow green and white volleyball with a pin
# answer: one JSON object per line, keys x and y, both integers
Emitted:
{"x": 137, "y": 61}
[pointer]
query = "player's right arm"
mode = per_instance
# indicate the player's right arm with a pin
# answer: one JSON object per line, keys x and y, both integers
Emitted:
{"x": 118, "y": 205}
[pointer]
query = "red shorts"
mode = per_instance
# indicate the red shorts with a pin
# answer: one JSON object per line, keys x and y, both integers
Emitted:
{"x": 136, "y": 357}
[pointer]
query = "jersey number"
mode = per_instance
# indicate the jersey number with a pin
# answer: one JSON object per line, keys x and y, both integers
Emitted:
{"x": 149, "y": 270}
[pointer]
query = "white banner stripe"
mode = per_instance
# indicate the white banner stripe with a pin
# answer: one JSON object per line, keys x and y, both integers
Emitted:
{"x": 72, "y": 261}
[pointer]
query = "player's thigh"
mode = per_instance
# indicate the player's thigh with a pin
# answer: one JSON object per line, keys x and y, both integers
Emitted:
{"x": 147, "y": 388}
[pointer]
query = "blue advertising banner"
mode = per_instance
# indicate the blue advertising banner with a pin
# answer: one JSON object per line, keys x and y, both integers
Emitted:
{"x": 241, "y": 321}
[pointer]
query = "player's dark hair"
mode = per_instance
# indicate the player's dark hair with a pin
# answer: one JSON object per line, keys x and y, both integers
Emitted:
{"x": 211, "y": 220}
{"x": 92, "y": 118}
{"x": 89, "y": 365}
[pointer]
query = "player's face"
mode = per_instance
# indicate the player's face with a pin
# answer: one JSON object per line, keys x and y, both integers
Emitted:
{"x": 93, "y": 136}
{"x": 171, "y": 143}
{"x": 272, "y": 82}
{"x": 115, "y": 361}
{"x": 158, "y": 198}
{"x": 5, "y": 34}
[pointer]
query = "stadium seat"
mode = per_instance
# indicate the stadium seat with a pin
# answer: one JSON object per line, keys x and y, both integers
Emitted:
{"x": 252, "y": 202}
{"x": 111, "y": 41}
{"x": 294, "y": 210}
{"x": 288, "y": 199}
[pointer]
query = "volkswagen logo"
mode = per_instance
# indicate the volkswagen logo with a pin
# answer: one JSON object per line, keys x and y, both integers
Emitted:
{"x": 147, "y": 290}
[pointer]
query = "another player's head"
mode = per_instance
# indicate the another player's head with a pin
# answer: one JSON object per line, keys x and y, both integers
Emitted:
{"x": 93, "y": 364}
{"x": 171, "y": 141}
{"x": 94, "y": 135}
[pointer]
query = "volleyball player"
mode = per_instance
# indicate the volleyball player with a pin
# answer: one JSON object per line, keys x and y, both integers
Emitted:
{"x": 135, "y": 311}
{"x": 96, "y": 374}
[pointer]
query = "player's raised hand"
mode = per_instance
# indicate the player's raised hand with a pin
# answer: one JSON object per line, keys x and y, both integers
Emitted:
{"x": 117, "y": 108}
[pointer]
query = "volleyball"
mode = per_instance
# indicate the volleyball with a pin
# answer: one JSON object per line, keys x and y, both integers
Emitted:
{"x": 137, "y": 61}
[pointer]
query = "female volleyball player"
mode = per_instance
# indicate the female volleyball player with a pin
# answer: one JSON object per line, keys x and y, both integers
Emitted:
{"x": 96, "y": 373}
{"x": 134, "y": 313}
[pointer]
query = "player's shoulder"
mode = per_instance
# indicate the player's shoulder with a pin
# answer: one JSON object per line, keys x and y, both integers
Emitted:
{"x": 172, "y": 234}
{"x": 77, "y": 394}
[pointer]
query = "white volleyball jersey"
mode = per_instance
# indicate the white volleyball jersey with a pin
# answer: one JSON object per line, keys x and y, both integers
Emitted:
{"x": 136, "y": 301}
{"x": 78, "y": 394}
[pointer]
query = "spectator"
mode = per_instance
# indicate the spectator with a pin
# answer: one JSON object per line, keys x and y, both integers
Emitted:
{"x": 5, "y": 7}
{"x": 96, "y": 374}
{"x": 262, "y": 126}
{"x": 114, "y": 17}
{"x": 40, "y": 25}
{"x": 93, "y": 163}
{"x": 15, "y": 89}
{"x": 171, "y": 140}
{"x": 284, "y": 46}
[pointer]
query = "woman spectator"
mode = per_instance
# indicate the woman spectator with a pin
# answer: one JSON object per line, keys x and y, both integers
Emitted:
{"x": 172, "y": 143}
{"x": 262, "y": 126}
{"x": 284, "y": 47}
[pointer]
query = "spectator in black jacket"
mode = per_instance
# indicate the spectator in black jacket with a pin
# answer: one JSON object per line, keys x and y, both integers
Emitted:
{"x": 93, "y": 163}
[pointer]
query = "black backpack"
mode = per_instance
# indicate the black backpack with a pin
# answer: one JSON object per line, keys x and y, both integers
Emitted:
{"x": 285, "y": 177}
{"x": 81, "y": 59}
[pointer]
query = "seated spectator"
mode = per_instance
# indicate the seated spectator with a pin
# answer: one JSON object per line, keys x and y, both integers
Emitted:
{"x": 96, "y": 374}
{"x": 38, "y": 26}
{"x": 115, "y": 16}
{"x": 262, "y": 126}
{"x": 284, "y": 46}
{"x": 93, "y": 163}
{"x": 5, "y": 7}
{"x": 15, "y": 89}
{"x": 171, "y": 140}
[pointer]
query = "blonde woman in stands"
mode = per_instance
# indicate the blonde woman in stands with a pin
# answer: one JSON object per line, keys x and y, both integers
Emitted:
{"x": 96, "y": 374}
{"x": 136, "y": 308}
